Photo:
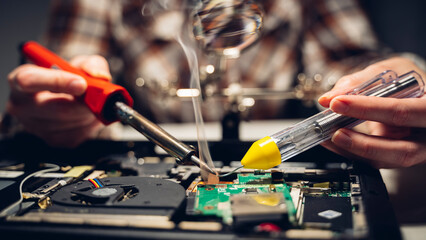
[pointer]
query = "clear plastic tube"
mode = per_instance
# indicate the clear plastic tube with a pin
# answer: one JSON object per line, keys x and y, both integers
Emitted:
{"x": 321, "y": 126}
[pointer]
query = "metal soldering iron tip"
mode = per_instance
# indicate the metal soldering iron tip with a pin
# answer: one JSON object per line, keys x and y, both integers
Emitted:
{"x": 202, "y": 165}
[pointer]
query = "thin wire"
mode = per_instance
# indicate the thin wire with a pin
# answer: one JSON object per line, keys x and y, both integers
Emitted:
{"x": 52, "y": 167}
{"x": 98, "y": 182}
{"x": 94, "y": 183}
{"x": 231, "y": 172}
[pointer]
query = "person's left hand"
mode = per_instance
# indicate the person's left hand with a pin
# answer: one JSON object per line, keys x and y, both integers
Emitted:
{"x": 395, "y": 134}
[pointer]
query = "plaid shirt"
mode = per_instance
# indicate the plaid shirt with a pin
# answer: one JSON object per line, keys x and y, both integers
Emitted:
{"x": 319, "y": 38}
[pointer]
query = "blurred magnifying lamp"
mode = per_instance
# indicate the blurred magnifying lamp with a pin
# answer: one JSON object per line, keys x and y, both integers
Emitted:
{"x": 226, "y": 27}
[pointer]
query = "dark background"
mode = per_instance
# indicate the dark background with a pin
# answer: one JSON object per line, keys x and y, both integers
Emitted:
{"x": 20, "y": 21}
{"x": 399, "y": 24}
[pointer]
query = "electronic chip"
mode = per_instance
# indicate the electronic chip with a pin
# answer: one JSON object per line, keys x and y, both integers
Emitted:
{"x": 248, "y": 209}
{"x": 328, "y": 212}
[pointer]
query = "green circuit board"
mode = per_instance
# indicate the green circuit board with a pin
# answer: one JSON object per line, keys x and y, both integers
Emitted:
{"x": 216, "y": 199}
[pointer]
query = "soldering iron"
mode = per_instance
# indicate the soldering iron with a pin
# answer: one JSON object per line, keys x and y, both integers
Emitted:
{"x": 110, "y": 103}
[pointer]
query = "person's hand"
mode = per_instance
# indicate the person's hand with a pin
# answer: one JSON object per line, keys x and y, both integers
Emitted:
{"x": 44, "y": 101}
{"x": 395, "y": 133}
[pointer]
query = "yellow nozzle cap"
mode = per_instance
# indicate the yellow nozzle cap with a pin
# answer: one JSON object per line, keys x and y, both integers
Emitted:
{"x": 263, "y": 154}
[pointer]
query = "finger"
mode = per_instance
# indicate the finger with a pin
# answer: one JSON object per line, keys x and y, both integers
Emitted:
{"x": 94, "y": 65}
{"x": 69, "y": 137}
{"x": 379, "y": 129}
{"x": 392, "y": 111}
{"x": 334, "y": 148}
{"x": 401, "y": 153}
{"x": 49, "y": 106}
{"x": 347, "y": 83}
{"x": 380, "y": 164}
{"x": 50, "y": 126}
{"x": 343, "y": 86}
{"x": 30, "y": 79}
{"x": 341, "y": 151}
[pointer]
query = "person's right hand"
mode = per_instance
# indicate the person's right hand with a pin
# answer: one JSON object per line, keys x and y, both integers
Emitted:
{"x": 394, "y": 133}
{"x": 44, "y": 101}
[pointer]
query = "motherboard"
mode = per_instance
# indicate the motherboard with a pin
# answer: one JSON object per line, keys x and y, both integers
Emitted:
{"x": 148, "y": 196}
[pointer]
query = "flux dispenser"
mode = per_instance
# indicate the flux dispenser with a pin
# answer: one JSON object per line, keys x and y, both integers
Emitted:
{"x": 272, "y": 150}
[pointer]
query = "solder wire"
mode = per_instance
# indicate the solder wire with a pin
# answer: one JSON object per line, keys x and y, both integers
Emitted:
{"x": 52, "y": 168}
{"x": 231, "y": 172}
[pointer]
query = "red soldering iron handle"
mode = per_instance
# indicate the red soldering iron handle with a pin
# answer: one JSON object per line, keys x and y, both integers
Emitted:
{"x": 100, "y": 95}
